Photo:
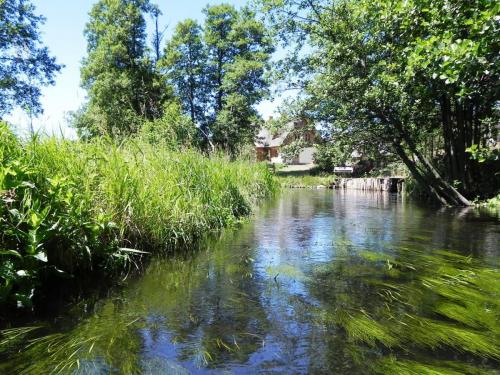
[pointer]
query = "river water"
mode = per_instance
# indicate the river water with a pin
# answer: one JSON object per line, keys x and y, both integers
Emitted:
{"x": 316, "y": 282}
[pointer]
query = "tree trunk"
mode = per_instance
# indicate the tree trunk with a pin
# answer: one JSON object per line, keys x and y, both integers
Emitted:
{"x": 428, "y": 174}
{"x": 448, "y": 136}
{"x": 418, "y": 176}
{"x": 460, "y": 142}
{"x": 454, "y": 198}
{"x": 220, "y": 92}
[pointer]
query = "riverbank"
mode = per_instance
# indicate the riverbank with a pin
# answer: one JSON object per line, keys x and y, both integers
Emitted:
{"x": 72, "y": 209}
{"x": 306, "y": 181}
{"x": 492, "y": 203}
{"x": 389, "y": 184}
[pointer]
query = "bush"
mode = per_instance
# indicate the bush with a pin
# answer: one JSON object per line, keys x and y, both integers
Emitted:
{"x": 330, "y": 155}
{"x": 172, "y": 130}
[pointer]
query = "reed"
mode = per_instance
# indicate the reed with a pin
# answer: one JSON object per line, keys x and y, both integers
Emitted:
{"x": 68, "y": 207}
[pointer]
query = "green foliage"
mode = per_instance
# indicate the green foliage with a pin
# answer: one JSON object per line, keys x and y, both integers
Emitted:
{"x": 483, "y": 154}
{"x": 493, "y": 202}
{"x": 236, "y": 124}
{"x": 123, "y": 84}
{"x": 173, "y": 129}
{"x": 292, "y": 149}
{"x": 238, "y": 49}
{"x": 25, "y": 64}
{"x": 306, "y": 181}
{"x": 68, "y": 208}
{"x": 388, "y": 74}
{"x": 330, "y": 155}
{"x": 219, "y": 73}
{"x": 48, "y": 223}
{"x": 185, "y": 62}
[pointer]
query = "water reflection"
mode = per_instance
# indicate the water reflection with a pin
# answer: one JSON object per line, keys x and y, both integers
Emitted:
{"x": 318, "y": 282}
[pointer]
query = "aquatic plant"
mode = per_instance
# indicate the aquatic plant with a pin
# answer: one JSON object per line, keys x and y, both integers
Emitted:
{"x": 110, "y": 336}
{"x": 402, "y": 310}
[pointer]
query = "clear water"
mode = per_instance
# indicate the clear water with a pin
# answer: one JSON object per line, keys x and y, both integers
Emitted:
{"x": 316, "y": 282}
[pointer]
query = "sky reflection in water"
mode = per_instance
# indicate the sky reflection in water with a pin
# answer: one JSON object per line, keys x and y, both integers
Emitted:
{"x": 318, "y": 282}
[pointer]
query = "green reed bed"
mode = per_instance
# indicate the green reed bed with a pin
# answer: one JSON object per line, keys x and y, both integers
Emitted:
{"x": 70, "y": 207}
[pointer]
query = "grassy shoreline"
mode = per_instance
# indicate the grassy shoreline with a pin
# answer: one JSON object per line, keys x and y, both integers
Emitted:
{"x": 306, "y": 181}
{"x": 69, "y": 208}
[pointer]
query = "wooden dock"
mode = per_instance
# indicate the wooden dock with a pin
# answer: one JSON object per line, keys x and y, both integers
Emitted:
{"x": 389, "y": 184}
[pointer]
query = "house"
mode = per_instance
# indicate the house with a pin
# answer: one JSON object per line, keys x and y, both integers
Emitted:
{"x": 268, "y": 146}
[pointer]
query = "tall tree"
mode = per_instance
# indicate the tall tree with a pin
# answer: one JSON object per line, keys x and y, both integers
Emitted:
{"x": 25, "y": 64}
{"x": 123, "y": 85}
{"x": 185, "y": 64}
{"x": 393, "y": 73}
{"x": 218, "y": 72}
{"x": 239, "y": 49}
{"x": 158, "y": 34}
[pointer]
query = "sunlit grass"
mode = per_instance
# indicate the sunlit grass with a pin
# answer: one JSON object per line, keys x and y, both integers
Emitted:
{"x": 72, "y": 207}
{"x": 306, "y": 181}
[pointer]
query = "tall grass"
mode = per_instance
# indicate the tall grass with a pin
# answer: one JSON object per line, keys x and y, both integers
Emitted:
{"x": 68, "y": 207}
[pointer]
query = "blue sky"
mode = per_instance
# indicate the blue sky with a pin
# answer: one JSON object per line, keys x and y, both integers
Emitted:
{"x": 63, "y": 34}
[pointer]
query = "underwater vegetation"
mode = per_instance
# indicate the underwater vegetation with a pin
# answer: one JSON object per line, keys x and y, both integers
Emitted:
{"x": 411, "y": 311}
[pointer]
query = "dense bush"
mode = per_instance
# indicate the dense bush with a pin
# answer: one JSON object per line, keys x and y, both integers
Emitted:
{"x": 330, "y": 155}
{"x": 68, "y": 207}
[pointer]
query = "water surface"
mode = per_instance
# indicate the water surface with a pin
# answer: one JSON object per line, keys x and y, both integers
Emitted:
{"x": 316, "y": 282}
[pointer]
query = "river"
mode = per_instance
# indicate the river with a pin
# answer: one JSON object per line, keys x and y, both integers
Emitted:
{"x": 317, "y": 281}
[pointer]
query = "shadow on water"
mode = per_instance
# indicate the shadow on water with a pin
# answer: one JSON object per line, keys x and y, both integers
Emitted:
{"x": 317, "y": 282}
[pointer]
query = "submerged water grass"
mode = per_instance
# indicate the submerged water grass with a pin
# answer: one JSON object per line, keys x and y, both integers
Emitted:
{"x": 412, "y": 312}
{"x": 422, "y": 305}
{"x": 68, "y": 208}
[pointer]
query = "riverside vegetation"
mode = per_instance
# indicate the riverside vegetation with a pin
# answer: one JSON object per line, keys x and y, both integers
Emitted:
{"x": 321, "y": 283}
{"x": 69, "y": 207}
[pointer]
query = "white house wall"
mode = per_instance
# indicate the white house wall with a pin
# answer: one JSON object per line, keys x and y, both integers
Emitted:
{"x": 277, "y": 160}
{"x": 306, "y": 156}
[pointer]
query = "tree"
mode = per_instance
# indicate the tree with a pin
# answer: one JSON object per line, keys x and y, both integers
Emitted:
{"x": 218, "y": 72}
{"x": 185, "y": 64}
{"x": 123, "y": 84}
{"x": 238, "y": 50}
{"x": 25, "y": 64}
{"x": 173, "y": 130}
{"x": 380, "y": 71}
{"x": 158, "y": 35}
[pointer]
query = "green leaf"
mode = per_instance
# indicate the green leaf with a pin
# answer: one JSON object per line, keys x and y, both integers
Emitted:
{"x": 128, "y": 250}
{"x": 11, "y": 252}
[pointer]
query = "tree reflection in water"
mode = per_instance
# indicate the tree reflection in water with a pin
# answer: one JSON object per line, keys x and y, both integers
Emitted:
{"x": 318, "y": 282}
